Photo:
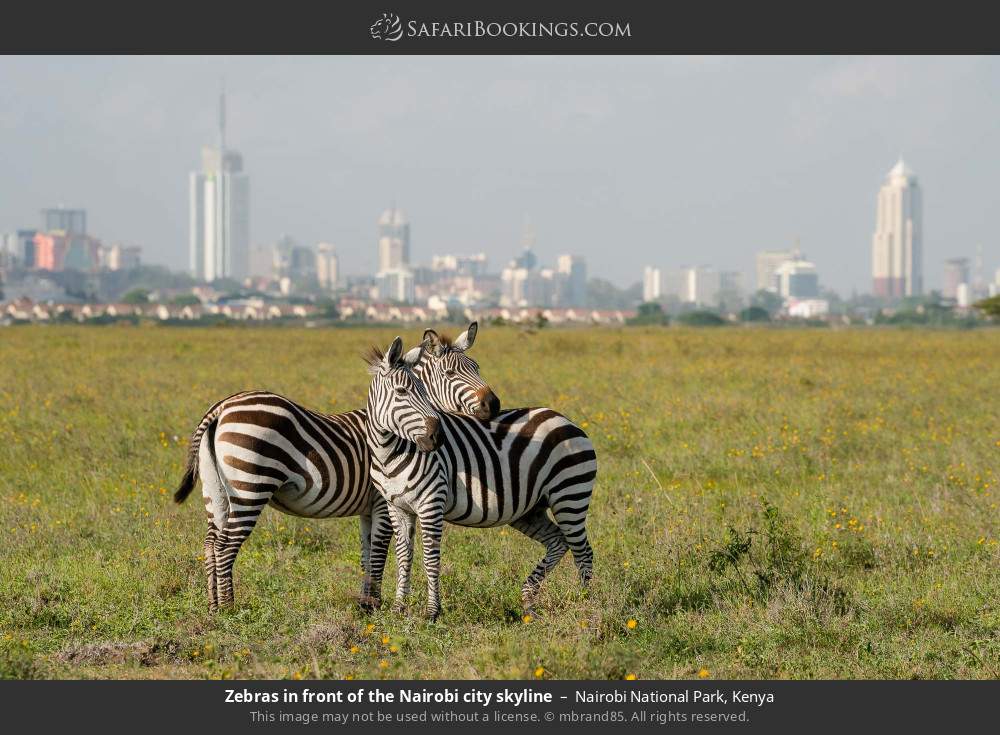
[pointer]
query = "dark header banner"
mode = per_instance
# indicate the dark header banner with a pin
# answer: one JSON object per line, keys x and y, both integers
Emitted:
{"x": 510, "y": 27}
{"x": 414, "y": 706}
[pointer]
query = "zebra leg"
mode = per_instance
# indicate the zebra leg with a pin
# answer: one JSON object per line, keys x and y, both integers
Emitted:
{"x": 213, "y": 593}
{"x": 238, "y": 527}
{"x": 431, "y": 528}
{"x": 572, "y": 522}
{"x": 381, "y": 536}
{"x": 365, "y": 600}
{"x": 403, "y": 526}
{"x": 217, "y": 509}
{"x": 538, "y": 526}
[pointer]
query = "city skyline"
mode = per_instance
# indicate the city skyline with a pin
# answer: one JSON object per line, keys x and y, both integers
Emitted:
{"x": 219, "y": 211}
{"x": 897, "y": 245}
{"x": 703, "y": 186}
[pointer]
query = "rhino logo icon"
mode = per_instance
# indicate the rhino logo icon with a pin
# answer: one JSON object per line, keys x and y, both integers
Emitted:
{"x": 387, "y": 28}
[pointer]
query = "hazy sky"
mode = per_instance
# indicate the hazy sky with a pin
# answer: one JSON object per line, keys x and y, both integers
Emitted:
{"x": 626, "y": 160}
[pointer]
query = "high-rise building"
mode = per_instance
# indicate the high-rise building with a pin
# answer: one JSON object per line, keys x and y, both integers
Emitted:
{"x": 527, "y": 259}
{"x": 327, "y": 266}
{"x": 652, "y": 287}
{"x": 768, "y": 262}
{"x": 980, "y": 289}
{"x": 261, "y": 261}
{"x": 73, "y": 221}
{"x": 956, "y": 272}
{"x": 514, "y": 285}
{"x": 119, "y": 257}
{"x": 897, "y": 245}
{"x": 59, "y": 250}
{"x": 219, "y": 201}
{"x": 572, "y": 280}
{"x": 18, "y": 248}
{"x": 393, "y": 240}
{"x": 461, "y": 265}
{"x": 730, "y": 294}
{"x": 701, "y": 286}
{"x": 797, "y": 279}
{"x": 395, "y": 284}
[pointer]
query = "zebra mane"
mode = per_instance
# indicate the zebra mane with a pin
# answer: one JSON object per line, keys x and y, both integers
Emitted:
{"x": 440, "y": 343}
{"x": 373, "y": 357}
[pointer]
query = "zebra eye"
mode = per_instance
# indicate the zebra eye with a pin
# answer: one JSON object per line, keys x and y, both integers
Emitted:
{"x": 400, "y": 391}
{"x": 449, "y": 373}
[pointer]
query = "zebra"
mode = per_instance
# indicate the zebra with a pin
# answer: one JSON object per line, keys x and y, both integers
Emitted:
{"x": 511, "y": 470}
{"x": 258, "y": 448}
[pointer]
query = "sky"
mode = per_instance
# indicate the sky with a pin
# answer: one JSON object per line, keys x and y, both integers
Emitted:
{"x": 626, "y": 160}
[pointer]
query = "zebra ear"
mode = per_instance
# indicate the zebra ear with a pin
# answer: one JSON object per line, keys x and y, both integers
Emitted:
{"x": 394, "y": 353}
{"x": 412, "y": 358}
{"x": 467, "y": 338}
{"x": 432, "y": 340}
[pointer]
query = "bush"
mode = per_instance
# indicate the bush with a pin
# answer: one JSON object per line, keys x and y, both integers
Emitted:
{"x": 776, "y": 563}
{"x": 649, "y": 313}
{"x": 755, "y": 314}
{"x": 701, "y": 319}
{"x": 136, "y": 296}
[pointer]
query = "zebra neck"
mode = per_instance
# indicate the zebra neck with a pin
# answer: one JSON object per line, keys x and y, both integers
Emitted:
{"x": 385, "y": 447}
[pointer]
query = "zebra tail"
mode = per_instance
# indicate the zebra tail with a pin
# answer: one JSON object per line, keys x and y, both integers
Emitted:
{"x": 191, "y": 470}
{"x": 187, "y": 483}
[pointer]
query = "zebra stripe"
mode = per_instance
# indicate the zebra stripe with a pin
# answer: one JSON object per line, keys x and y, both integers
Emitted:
{"x": 513, "y": 470}
{"x": 257, "y": 448}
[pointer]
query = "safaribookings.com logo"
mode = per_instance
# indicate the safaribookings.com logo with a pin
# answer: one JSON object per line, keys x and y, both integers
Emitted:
{"x": 390, "y": 28}
{"x": 387, "y": 28}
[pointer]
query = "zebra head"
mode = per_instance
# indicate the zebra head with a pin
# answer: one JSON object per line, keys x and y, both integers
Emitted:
{"x": 452, "y": 377}
{"x": 397, "y": 399}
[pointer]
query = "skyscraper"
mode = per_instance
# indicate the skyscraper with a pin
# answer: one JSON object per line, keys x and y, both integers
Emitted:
{"x": 797, "y": 279}
{"x": 768, "y": 262}
{"x": 73, "y": 221}
{"x": 651, "y": 288}
{"x": 220, "y": 212}
{"x": 897, "y": 245}
{"x": 327, "y": 265}
{"x": 956, "y": 272}
{"x": 700, "y": 286}
{"x": 572, "y": 271}
{"x": 393, "y": 240}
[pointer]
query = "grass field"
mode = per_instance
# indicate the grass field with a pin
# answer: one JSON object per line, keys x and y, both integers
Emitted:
{"x": 770, "y": 503}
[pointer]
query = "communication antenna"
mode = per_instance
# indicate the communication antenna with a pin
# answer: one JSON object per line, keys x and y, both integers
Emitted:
{"x": 222, "y": 118}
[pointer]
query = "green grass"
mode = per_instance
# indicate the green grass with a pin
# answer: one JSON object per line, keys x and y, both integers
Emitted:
{"x": 770, "y": 503}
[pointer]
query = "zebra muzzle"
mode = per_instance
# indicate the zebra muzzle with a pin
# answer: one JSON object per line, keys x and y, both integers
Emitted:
{"x": 431, "y": 440}
{"x": 489, "y": 405}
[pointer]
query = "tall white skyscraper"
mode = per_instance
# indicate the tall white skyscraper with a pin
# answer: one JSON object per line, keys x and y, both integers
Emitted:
{"x": 219, "y": 233}
{"x": 327, "y": 265}
{"x": 651, "y": 286}
{"x": 393, "y": 240}
{"x": 897, "y": 245}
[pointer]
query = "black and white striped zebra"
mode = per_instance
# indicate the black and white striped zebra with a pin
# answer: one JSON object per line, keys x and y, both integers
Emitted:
{"x": 514, "y": 469}
{"x": 258, "y": 448}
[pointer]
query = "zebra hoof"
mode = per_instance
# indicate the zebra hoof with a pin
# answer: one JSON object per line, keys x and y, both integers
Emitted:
{"x": 399, "y": 608}
{"x": 432, "y": 616}
{"x": 369, "y": 604}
